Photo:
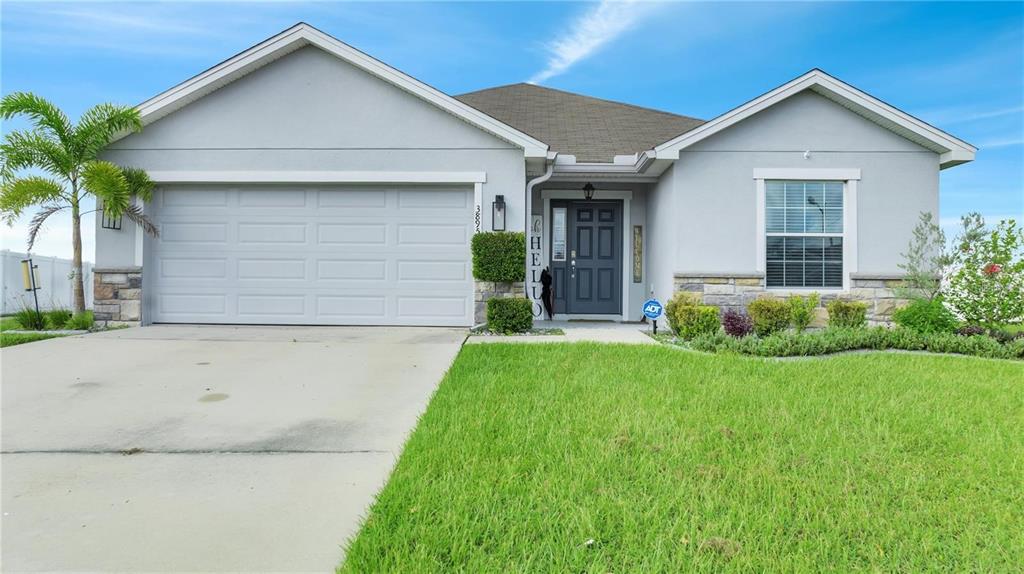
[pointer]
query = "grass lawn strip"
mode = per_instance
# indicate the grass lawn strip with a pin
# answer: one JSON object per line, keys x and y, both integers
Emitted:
{"x": 602, "y": 458}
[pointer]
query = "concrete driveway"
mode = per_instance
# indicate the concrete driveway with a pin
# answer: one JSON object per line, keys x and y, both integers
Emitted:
{"x": 200, "y": 448}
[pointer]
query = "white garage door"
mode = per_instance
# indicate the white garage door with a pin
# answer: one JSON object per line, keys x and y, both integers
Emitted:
{"x": 311, "y": 255}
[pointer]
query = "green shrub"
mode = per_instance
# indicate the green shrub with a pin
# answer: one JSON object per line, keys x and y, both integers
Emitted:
{"x": 30, "y": 320}
{"x": 836, "y": 340}
{"x": 770, "y": 315}
{"x": 695, "y": 320}
{"x": 509, "y": 315}
{"x": 56, "y": 318}
{"x": 844, "y": 313}
{"x": 679, "y": 299}
{"x": 499, "y": 256}
{"x": 80, "y": 321}
{"x": 926, "y": 316}
{"x": 801, "y": 310}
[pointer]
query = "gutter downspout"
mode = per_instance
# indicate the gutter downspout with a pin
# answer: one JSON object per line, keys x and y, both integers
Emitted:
{"x": 529, "y": 214}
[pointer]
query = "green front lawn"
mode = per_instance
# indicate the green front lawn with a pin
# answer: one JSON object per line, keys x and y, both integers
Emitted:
{"x": 11, "y": 339}
{"x": 590, "y": 458}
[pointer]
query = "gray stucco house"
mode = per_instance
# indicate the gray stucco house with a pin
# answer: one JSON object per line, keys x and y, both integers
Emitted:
{"x": 304, "y": 182}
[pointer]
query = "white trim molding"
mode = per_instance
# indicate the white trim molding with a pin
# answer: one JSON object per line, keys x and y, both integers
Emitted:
{"x": 301, "y": 35}
{"x": 318, "y": 177}
{"x": 806, "y": 173}
{"x": 626, "y": 196}
{"x": 952, "y": 150}
{"x": 850, "y": 177}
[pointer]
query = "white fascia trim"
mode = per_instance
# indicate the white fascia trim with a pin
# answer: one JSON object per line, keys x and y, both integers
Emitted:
{"x": 944, "y": 143}
{"x": 806, "y": 173}
{"x": 318, "y": 176}
{"x": 303, "y": 34}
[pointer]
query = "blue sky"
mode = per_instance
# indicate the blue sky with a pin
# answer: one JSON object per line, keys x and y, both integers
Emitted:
{"x": 959, "y": 66}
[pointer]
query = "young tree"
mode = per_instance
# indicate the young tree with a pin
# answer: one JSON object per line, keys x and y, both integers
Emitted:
{"x": 67, "y": 155}
{"x": 987, "y": 287}
{"x": 926, "y": 262}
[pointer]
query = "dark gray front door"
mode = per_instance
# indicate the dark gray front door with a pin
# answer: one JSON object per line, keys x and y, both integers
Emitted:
{"x": 589, "y": 281}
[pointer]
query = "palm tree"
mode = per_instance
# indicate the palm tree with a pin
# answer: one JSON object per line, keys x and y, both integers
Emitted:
{"x": 67, "y": 154}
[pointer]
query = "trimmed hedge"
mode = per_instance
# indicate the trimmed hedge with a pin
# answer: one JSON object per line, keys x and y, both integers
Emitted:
{"x": 770, "y": 315}
{"x": 696, "y": 320}
{"x": 847, "y": 314}
{"x": 509, "y": 315}
{"x": 499, "y": 256}
{"x": 835, "y": 340}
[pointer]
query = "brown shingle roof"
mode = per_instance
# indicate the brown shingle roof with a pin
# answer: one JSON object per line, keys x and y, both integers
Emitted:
{"x": 592, "y": 129}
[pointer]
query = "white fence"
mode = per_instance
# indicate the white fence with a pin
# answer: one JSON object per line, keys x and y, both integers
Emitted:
{"x": 54, "y": 282}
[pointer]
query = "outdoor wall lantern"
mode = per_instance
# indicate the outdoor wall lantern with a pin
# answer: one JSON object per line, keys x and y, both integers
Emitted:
{"x": 110, "y": 222}
{"x": 588, "y": 191}
{"x": 498, "y": 213}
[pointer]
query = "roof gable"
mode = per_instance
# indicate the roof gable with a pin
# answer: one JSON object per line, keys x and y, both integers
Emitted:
{"x": 592, "y": 129}
{"x": 302, "y": 35}
{"x": 952, "y": 151}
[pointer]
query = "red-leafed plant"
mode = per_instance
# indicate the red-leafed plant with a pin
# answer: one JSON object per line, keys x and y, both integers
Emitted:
{"x": 737, "y": 324}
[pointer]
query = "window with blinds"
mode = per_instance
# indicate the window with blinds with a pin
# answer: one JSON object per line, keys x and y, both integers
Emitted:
{"x": 804, "y": 228}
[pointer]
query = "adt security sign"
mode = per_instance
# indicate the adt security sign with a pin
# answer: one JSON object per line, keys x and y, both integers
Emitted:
{"x": 652, "y": 309}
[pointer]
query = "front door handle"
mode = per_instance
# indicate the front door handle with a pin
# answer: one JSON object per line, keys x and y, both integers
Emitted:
{"x": 572, "y": 269}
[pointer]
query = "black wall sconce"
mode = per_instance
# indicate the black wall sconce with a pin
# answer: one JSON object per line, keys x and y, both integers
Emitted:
{"x": 588, "y": 191}
{"x": 498, "y": 213}
{"x": 109, "y": 222}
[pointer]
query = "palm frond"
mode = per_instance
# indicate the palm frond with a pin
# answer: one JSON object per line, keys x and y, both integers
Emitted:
{"x": 18, "y": 194}
{"x": 36, "y": 225}
{"x": 41, "y": 111}
{"x": 139, "y": 184}
{"x": 98, "y": 126}
{"x": 107, "y": 182}
{"x": 134, "y": 214}
{"x": 32, "y": 149}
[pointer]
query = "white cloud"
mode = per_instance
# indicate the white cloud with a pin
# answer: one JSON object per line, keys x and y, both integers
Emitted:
{"x": 962, "y": 115}
{"x": 1002, "y": 143}
{"x": 589, "y": 33}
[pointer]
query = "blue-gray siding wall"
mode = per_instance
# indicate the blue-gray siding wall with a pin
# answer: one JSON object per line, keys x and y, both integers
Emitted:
{"x": 715, "y": 209}
{"x": 312, "y": 111}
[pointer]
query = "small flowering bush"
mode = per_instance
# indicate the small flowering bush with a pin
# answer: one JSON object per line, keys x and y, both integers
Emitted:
{"x": 987, "y": 287}
{"x": 737, "y": 324}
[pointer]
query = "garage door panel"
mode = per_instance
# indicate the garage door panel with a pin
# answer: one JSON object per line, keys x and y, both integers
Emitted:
{"x": 190, "y": 232}
{"x": 352, "y": 233}
{"x": 272, "y": 269}
{"x": 193, "y": 268}
{"x": 414, "y": 234}
{"x": 355, "y": 198}
{"x": 272, "y": 232}
{"x": 415, "y": 199}
{"x": 431, "y": 270}
{"x": 352, "y": 269}
{"x": 313, "y": 255}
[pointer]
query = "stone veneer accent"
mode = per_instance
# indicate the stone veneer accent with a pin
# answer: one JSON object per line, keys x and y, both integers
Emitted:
{"x": 737, "y": 290}
{"x": 117, "y": 296}
{"x": 484, "y": 290}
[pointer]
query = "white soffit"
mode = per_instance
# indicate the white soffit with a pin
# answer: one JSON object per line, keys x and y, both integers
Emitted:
{"x": 952, "y": 150}
{"x": 301, "y": 35}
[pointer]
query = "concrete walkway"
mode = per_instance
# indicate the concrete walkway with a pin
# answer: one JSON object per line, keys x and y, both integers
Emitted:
{"x": 205, "y": 448}
{"x": 576, "y": 331}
